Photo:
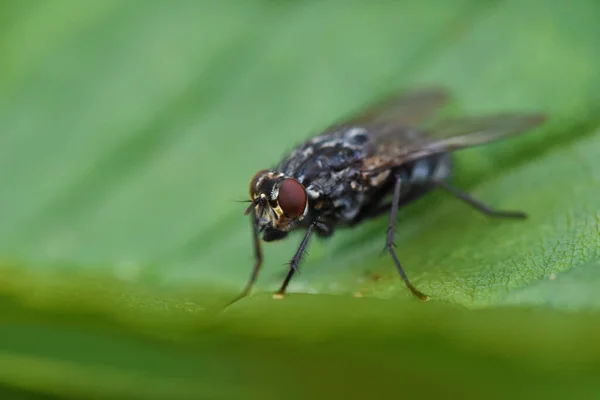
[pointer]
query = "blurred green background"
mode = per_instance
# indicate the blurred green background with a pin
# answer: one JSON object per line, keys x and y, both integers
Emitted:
{"x": 128, "y": 131}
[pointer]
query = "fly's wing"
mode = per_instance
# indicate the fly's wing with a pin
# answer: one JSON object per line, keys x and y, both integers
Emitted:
{"x": 337, "y": 143}
{"x": 392, "y": 144}
{"x": 409, "y": 108}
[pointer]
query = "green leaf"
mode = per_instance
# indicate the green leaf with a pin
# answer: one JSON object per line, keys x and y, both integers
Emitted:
{"x": 128, "y": 130}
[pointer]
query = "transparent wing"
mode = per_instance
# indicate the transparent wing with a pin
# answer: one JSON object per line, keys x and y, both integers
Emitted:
{"x": 409, "y": 108}
{"x": 392, "y": 144}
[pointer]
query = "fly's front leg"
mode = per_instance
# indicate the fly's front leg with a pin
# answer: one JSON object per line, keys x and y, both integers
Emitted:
{"x": 295, "y": 261}
{"x": 389, "y": 244}
{"x": 258, "y": 259}
{"x": 481, "y": 207}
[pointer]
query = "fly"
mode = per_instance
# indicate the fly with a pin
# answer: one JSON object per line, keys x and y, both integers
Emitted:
{"x": 366, "y": 166}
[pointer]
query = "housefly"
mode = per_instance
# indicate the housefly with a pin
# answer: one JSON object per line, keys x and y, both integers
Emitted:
{"x": 368, "y": 165}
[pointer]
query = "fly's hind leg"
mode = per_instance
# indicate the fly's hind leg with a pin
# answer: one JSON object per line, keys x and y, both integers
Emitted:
{"x": 389, "y": 244}
{"x": 478, "y": 205}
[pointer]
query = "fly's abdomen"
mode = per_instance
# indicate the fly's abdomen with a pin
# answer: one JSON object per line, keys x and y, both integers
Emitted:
{"x": 426, "y": 170}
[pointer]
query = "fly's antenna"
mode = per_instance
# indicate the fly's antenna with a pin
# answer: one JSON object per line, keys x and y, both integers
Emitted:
{"x": 253, "y": 204}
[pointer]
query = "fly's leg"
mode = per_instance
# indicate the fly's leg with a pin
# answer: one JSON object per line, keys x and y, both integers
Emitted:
{"x": 384, "y": 207}
{"x": 483, "y": 208}
{"x": 389, "y": 244}
{"x": 258, "y": 259}
{"x": 295, "y": 261}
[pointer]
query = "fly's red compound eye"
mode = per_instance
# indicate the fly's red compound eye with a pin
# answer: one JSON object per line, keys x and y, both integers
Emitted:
{"x": 292, "y": 197}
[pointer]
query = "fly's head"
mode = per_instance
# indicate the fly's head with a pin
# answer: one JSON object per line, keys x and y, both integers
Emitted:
{"x": 279, "y": 203}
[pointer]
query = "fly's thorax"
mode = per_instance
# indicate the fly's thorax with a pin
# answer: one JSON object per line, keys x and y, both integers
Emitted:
{"x": 279, "y": 201}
